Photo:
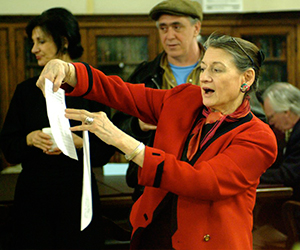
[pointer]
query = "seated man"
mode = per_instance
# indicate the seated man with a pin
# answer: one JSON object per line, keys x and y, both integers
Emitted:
{"x": 281, "y": 103}
{"x": 282, "y": 109}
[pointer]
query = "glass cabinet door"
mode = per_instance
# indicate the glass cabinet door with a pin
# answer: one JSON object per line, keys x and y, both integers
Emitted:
{"x": 274, "y": 68}
{"x": 119, "y": 51}
{"x": 279, "y": 61}
{"x": 207, "y": 31}
{"x": 119, "y": 55}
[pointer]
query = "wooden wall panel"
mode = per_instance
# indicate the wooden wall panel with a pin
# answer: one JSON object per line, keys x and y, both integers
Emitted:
{"x": 12, "y": 35}
{"x": 4, "y": 75}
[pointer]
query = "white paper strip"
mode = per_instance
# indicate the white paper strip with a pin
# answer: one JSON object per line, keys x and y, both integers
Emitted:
{"x": 86, "y": 199}
{"x": 60, "y": 125}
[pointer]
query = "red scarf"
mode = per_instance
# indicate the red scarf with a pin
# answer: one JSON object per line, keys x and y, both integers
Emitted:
{"x": 210, "y": 118}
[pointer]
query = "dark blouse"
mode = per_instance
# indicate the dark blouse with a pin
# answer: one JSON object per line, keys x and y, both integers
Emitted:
{"x": 48, "y": 192}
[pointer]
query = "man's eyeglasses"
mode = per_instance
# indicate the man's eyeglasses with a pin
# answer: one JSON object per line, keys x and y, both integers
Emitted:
{"x": 233, "y": 39}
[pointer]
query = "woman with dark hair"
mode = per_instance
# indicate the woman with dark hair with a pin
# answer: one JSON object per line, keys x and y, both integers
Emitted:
{"x": 47, "y": 204}
{"x": 63, "y": 27}
{"x": 209, "y": 149}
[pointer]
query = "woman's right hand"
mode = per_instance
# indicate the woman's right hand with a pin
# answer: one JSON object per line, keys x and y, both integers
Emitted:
{"x": 58, "y": 72}
{"x": 39, "y": 140}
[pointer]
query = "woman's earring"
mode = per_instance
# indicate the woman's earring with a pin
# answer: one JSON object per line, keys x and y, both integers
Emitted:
{"x": 245, "y": 88}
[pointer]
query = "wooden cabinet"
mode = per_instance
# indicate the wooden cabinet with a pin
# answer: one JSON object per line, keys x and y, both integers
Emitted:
{"x": 116, "y": 44}
{"x": 279, "y": 47}
{"x": 4, "y": 74}
{"x": 118, "y": 51}
{"x": 274, "y": 33}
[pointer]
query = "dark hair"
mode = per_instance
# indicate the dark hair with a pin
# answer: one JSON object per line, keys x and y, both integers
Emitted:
{"x": 246, "y": 54}
{"x": 60, "y": 24}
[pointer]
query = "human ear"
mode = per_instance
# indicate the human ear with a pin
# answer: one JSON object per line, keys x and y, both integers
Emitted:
{"x": 249, "y": 76}
{"x": 197, "y": 28}
{"x": 65, "y": 43}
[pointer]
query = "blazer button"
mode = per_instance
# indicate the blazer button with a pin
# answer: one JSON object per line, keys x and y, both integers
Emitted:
{"x": 206, "y": 237}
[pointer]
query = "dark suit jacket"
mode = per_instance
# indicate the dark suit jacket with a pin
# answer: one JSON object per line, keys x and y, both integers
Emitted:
{"x": 288, "y": 172}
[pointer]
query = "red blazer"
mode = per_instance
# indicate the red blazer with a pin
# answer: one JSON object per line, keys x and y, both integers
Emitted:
{"x": 216, "y": 195}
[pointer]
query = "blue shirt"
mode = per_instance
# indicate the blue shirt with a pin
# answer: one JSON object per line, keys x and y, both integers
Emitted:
{"x": 181, "y": 73}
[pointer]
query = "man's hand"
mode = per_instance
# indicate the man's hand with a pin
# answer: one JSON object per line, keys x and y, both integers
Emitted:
{"x": 146, "y": 126}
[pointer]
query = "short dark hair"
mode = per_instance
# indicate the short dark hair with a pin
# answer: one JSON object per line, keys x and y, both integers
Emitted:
{"x": 59, "y": 23}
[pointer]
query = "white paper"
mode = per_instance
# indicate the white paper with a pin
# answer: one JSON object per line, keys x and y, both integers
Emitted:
{"x": 62, "y": 134}
{"x": 59, "y": 124}
{"x": 86, "y": 199}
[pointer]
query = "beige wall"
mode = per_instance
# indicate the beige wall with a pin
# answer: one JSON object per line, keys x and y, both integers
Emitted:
{"x": 11, "y": 7}
{"x": 271, "y": 5}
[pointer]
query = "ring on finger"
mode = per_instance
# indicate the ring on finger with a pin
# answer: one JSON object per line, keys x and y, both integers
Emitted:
{"x": 88, "y": 120}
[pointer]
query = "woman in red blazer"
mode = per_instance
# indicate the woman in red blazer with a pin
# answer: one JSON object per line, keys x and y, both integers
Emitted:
{"x": 209, "y": 151}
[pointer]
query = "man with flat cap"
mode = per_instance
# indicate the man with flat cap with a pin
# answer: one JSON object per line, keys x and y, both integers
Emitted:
{"x": 179, "y": 24}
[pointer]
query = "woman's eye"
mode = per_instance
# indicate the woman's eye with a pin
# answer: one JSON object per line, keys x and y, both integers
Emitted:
{"x": 216, "y": 70}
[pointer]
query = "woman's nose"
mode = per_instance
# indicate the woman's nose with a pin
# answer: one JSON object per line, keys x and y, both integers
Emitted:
{"x": 204, "y": 76}
{"x": 34, "y": 48}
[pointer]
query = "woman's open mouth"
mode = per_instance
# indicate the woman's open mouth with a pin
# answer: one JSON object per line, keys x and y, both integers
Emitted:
{"x": 207, "y": 91}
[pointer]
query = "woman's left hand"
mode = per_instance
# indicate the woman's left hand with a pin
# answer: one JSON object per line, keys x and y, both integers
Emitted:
{"x": 101, "y": 125}
{"x": 55, "y": 151}
{"x": 78, "y": 142}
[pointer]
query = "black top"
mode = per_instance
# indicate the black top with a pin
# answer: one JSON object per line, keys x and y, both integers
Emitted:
{"x": 48, "y": 191}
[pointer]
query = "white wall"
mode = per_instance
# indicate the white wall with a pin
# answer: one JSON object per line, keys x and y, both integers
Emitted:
{"x": 271, "y": 5}
{"x": 11, "y": 7}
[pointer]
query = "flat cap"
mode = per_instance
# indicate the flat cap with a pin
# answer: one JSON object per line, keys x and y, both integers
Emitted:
{"x": 177, "y": 8}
